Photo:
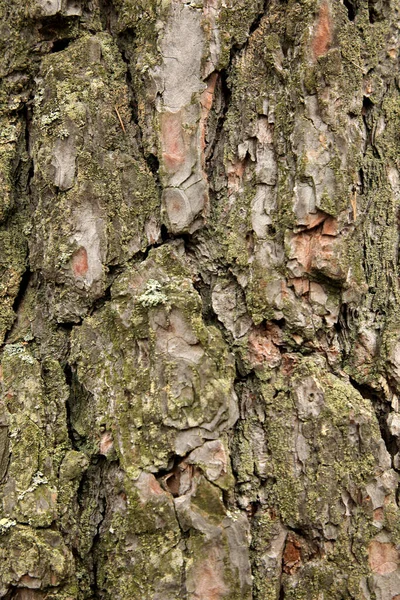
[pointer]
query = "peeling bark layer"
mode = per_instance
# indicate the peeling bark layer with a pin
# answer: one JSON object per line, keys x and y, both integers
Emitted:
{"x": 199, "y": 292}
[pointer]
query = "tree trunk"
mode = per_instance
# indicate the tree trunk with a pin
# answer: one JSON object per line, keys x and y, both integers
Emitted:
{"x": 199, "y": 307}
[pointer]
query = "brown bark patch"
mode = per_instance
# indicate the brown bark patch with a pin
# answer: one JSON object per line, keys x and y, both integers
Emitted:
{"x": 289, "y": 363}
{"x": 80, "y": 263}
{"x": 262, "y": 347}
{"x": 315, "y": 251}
{"x": 29, "y": 594}
{"x": 292, "y": 555}
{"x": 330, "y": 227}
{"x": 378, "y": 514}
{"x": 383, "y": 557}
{"x": 29, "y": 582}
{"x": 301, "y": 285}
{"x": 106, "y": 443}
{"x": 235, "y": 176}
{"x": 206, "y": 101}
{"x": 173, "y": 143}
{"x": 209, "y": 583}
{"x": 323, "y": 31}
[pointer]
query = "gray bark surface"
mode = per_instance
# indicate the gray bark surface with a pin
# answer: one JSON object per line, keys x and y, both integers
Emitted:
{"x": 199, "y": 300}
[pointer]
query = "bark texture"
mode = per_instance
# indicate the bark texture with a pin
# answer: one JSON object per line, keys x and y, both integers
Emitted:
{"x": 199, "y": 299}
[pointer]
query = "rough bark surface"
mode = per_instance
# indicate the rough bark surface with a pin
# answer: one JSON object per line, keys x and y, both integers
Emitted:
{"x": 199, "y": 299}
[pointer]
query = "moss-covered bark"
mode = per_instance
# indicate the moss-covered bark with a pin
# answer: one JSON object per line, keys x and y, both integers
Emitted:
{"x": 199, "y": 300}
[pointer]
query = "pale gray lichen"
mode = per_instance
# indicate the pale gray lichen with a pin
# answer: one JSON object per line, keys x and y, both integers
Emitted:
{"x": 38, "y": 479}
{"x": 153, "y": 294}
{"x": 6, "y": 524}
{"x": 19, "y": 348}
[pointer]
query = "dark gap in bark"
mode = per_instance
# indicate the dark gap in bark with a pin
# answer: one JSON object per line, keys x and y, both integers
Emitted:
{"x": 95, "y": 568}
{"x": 285, "y": 45}
{"x": 351, "y": 9}
{"x": 100, "y": 302}
{"x": 69, "y": 381}
{"x": 366, "y": 112}
{"x": 154, "y": 164}
{"x": 164, "y": 234}
{"x": 209, "y": 316}
{"x": 256, "y": 23}
{"x": 367, "y": 105}
{"x": 253, "y": 508}
{"x": 27, "y": 113}
{"x": 377, "y": 10}
{"x": 222, "y": 88}
{"x": 169, "y": 478}
{"x": 20, "y": 593}
{"x": 226, "y": 498}
{"x": 226, "y": 91}
{"x": 58, "y": 27}
{"x": 91, "y": 489}
{"x": 69, "y": 325}
{"x": 108, "y": 15}
{"x": 77, "y": 397}
{"x": 125, "y": 42}
{"x": 382, "y": 409}
{"x": 168, "y": 236}
{"x": 281, "y": 592}
{"x": 60, "y": 45}
{"x": 25, "y": 279}
{"x": 362, "y": 182}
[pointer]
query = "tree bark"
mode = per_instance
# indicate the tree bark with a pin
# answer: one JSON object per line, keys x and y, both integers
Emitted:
{"x": 199, "y": 301}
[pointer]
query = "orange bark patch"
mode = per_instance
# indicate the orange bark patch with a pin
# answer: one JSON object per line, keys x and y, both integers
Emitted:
{"x": 383, "y": 557}
{"x": 292, "y": 555}
{"x": 80, "y": 264}
{"x": 323, "y": 31}
{"x": 173, "y": 143}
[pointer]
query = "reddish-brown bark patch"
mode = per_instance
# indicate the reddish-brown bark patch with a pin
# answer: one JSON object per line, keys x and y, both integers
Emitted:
{"x": 383, "y": 557}
{"x": 315, "y": 219}
{"x": 330, "y": 227}
{"x": 378, "y": 514}
{"x": 292, "y": 555}
{"x": 80, "y": 263}
{"x": 262, "y": 346}
{"x": 289, "y": 362}
{"x": 323, "y": 31}
{"x": 173, "y": 143}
